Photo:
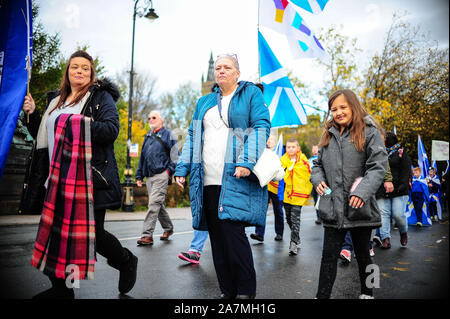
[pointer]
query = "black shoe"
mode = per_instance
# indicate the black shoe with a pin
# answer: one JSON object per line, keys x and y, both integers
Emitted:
{"x": 128, "y": 272}
{"x": 245, "y": 297}
{"x": 256, "y": 237}
{"x": 318, "y": 222}
{"x": 278, "y": 237}
{"x": 223, "y": 296}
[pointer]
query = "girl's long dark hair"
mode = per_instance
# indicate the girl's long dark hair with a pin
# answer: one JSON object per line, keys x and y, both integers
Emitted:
{"x": 357, "y": 125}
{"x": 65, "y": 88}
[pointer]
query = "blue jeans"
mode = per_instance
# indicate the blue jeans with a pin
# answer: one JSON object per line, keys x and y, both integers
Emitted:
{"x": 198, "y": 241}
{"x": 278, "y": 215}
{"x": 348, "y": 243}
{"x": 395, "y": 208}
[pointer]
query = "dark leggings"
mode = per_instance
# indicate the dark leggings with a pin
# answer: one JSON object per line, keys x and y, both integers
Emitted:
{"x": 332, "y": 243}
{"x": 106, "y": 245}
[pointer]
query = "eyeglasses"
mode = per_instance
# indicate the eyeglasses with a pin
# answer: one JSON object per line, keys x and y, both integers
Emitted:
{"x": 227, "y": 55}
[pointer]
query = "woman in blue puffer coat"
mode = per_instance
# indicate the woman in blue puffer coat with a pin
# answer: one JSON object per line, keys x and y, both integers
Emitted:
{"x": 225, "y": 195}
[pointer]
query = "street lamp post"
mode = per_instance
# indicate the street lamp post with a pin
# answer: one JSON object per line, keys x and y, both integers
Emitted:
{"x": 149, "y": 12}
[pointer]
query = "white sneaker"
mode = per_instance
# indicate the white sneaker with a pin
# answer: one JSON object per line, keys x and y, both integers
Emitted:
{"x": 363, "y": 296}
{"x": 371, "y": 252}
{"x": 293, "y": 248}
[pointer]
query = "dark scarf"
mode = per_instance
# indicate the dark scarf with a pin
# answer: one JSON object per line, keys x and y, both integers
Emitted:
{"x": 66, "y": 234}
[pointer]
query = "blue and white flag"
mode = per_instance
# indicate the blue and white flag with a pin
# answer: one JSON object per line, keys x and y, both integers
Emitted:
{"x": 15, "y": 59}
{"x": 284, "y": 105}
{"x": 395, "y": 130}
{"x": 312, "y": 6}
{"x": 279, "y": 147}
{"x": 419, "y": 185}
{"x": 279, "y": 150}
{"x": 422, "y": 159}
{"x": 281, "y": 16}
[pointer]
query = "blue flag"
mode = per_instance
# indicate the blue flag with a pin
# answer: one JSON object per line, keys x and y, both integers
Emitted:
{"x": 15, "y": 58}
{"x": 284, "y": 105}
{"x": 422, "y": 159}
{"x": 312, "y": 6}
{"x": 279, "y": 150}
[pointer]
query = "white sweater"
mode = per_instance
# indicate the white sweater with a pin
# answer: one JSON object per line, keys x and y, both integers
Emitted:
{"x": 215, "y": 142}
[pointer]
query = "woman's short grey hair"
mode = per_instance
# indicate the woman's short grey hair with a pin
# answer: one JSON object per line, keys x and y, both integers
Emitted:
{"x": 231, "y": 56}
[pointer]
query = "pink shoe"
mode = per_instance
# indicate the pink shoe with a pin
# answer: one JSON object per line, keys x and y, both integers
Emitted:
{"x": 190, "y": 256}
{"x": 346, "y": 255}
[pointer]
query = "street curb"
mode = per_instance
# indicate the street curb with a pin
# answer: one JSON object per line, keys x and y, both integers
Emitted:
{"x": 174, "y": 213}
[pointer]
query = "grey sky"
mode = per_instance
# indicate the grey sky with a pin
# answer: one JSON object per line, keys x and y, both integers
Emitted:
{"x": 176, "y": 47}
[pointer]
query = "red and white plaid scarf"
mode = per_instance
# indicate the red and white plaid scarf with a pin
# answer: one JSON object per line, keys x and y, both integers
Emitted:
{"x": 66, "y": 234}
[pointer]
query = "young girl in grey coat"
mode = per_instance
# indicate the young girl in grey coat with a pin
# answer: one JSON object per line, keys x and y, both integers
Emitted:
{"x": 349, "y": 169}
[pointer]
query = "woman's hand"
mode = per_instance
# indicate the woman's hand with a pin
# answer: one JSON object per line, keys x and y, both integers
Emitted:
{"x": 356, "y": 202}
{"x": 139, "y": 183}
{"x": 180, "y": 181}
{"x": 28, "y": 104}
{"x": 320, "y": 189}
{"x": 241, "y": 172}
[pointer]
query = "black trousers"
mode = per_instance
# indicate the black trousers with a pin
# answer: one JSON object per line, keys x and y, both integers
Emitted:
{"x": 332, "y": 244}
{"x": 232, "y": 254}
{"x": 106, "y": 245}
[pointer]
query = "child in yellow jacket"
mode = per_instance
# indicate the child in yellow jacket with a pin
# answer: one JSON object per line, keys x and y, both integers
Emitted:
{"x": 297, "y": 189}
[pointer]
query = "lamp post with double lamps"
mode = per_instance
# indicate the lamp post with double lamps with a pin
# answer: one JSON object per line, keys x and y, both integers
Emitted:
{"x": 148, "y": 12}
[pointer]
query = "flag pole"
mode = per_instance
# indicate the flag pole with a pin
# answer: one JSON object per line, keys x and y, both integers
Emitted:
{"x": 28, "y": 54}
{"x": 259, "y": 58}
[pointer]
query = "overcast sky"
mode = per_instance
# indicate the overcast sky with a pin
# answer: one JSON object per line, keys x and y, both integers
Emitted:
{"x": 176, "y": 47}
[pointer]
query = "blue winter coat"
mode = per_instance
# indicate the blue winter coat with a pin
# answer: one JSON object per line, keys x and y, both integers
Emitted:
{"x": 240, "y": 199}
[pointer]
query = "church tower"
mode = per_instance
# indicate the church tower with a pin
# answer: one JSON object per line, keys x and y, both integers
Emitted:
{"x": 210, "y": 80}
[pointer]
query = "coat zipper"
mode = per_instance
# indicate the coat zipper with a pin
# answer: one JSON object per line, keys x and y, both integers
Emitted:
{"x": 98, "y": 172}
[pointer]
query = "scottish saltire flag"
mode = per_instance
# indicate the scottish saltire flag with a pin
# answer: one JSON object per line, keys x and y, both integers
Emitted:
{"x": 435, "y": 197}
{"x": 422, "y": 159}
{"x": 279, "y": 150}
{"x": 312, "y": 6}
{"x": 282, "y": 17}
{"x": 15, "y": 53}
{"x": 284, "y": 105}
{"x": 395, "y": 130}
{"x": 411, "y": 214}
{"x": 279, "y": 147}
{"x": 419, "y": 184}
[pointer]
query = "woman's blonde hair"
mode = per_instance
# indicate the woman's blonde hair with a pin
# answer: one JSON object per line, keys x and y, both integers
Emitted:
{"x": 357, "y": 125}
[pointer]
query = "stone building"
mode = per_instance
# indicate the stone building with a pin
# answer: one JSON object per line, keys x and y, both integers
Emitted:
{"x": 210, "y": 80}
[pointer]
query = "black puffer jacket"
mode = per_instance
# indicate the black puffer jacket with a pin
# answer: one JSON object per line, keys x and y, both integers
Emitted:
{"x": 400, "y": 165}
{"x": 101, "y": 106}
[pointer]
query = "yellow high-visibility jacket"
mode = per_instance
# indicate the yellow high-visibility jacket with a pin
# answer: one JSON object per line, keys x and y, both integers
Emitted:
{"x": 297, "y": 185}
{"x": 273, "y": 187}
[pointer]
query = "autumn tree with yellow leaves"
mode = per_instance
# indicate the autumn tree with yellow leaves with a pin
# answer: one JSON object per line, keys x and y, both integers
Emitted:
{"x": 407, "y": 86}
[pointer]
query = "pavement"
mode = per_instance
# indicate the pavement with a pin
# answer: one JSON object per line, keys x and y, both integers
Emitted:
{"x": 174, "y": 213}
{"x": 418, "y": 271}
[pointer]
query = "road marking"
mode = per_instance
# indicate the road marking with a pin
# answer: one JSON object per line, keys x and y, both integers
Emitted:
{"x": 179, "y": 233}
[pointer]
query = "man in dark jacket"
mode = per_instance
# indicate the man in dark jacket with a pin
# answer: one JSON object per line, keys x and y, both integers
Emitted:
{"x": 157, "y": 163}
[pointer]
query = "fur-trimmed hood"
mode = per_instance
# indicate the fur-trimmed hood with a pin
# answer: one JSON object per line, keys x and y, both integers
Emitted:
{"x": 101, "y": 84}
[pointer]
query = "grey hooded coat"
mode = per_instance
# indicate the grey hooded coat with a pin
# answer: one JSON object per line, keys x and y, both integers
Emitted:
{"x": 338, "y": 165}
